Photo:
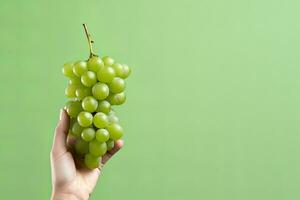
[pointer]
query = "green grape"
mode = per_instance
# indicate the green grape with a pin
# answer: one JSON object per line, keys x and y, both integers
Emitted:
{"x": 91, "y": 161}
{"x": 108, "y": 61}
{"x": 97, "y": 148}
{"x": 89, "y": 104}
{"x": 115, "y": 131}
{"x": 72, "y": 121}
{"x": 106, "y": 74}
{"x": 112, "y": 118}
{"x": 110, "y": 144}
{"x": 76, "y": 129}
{"x": 100, "y": 91}
{"x": 79, "y": 68}
{"x": 88, "y": 134}
{"x": 95, "y": 63}
{"x": 67, "y": 70}
{"x": 71, "y": 137}
{"x": 68, "y": 104}
{"x": 81, "y": 147}
{"x": 100, "y": 120}
{"x": 70, "y": 91}
{"x": 117, "y": 85}
{"x": 85, "y": 119}
{"x": 82, "y": 92}
{"x": 75, "y": 81}
{"x": 103, "y": 106}
{"x": 89, "y": 78}
{"x": 118, "y": 69}
{"x": 116, "y": 99}
{"x": 73, "y": 108}
{"x": 102, "y": 135}
{"x": 126, "y": 71}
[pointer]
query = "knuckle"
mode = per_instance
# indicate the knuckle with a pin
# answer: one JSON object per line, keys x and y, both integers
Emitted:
{"x": 57, "y": 128}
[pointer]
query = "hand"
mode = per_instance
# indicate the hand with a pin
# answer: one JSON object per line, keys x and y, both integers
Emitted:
{"x": 68, "y": 180}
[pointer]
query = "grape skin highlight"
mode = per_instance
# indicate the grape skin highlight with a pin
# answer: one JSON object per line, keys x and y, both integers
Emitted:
{"x": 85, "y": 119}
{"x": 79, "y": 68}
{"x": 89, "y": 78}
{"x": 89, "y": 104}
{"x": 95, "y": 63}
{"x": 100, "y": 120}
{"x": 106, "y": 74}
{"x": 102, "y": 135}
{"x": 100, "y": 91}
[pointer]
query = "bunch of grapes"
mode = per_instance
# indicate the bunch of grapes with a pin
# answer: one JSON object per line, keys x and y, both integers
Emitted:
{"x": 95, "y": 85}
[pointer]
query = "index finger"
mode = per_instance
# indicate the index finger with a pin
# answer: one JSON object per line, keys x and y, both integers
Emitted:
{"x": 118, "y": 145}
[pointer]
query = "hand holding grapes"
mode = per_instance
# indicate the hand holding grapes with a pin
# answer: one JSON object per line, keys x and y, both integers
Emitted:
{"x": 88, "y": 126}
{"x": 69, "y": 179}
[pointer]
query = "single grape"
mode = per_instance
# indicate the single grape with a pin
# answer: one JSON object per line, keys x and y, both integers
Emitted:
{"x": 100, "y": 120}
{"x": 118, "y": 69}
{"x": 112, "y": 118}
{"x": 79, "y": 68}
{"x": 85, "y": 119}
{"x": 88, "y": 134}
{"x": 70, "y": 91}
{"x": 89, "y": 78}
{"x": 110, "y": 144}
{"x": 102, "y": 135}
{"x": 67, "y": 70}
{"x": 108, "y": 61}
{"x": 91, "y": 161}
{"x": 81, "y": 147}
{"x": 97, "y": 148}
{"x": 100, "y": 91}
{"x": 89, "y": 104}
{"x": 76, "y": 129}
{"x": 73, "y": 108}
{"x": 103, "y": 106}
{"x": 126, "y": 71}
{"x": 95, "y": 63}
{"x": 67, "y": 104}
{"x": 117, "y": 85}
{"x": 106, "y": 74}
{"x": 116, "y": 99}
{"x": 82, "y": 92}
{"x": 75, "y": 81}
{"x": 115, "y": 131}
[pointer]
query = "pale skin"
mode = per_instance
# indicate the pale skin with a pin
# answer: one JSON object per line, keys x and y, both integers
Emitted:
{"x": 70, "y": 181}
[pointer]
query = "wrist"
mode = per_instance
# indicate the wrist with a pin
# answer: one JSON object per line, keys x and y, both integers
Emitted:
{"x": 63, "y": 197}
{"x": 68, "y": 196}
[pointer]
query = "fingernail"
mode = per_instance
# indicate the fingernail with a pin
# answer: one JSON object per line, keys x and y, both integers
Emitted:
{"x": 60, "y": 114}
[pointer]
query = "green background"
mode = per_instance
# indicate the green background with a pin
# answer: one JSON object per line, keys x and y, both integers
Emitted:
{"x": 213, "y": 101}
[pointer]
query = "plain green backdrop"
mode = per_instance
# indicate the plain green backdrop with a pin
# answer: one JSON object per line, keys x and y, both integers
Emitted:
{"x": 213, "y": 101}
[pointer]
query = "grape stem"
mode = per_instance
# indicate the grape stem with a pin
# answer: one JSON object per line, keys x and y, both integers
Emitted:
{"x": 90, "y": 41}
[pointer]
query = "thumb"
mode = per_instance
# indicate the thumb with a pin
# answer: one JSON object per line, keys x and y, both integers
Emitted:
{"x": 60, "y": 135}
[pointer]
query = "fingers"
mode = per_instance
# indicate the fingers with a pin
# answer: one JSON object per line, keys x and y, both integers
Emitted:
{"x": 60, "y": 136}
{"x": 118, "y": 145}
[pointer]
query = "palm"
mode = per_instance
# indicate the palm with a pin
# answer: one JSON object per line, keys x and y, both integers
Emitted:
{"x": 67, "y": 174}
{"x": 72, "y": 177}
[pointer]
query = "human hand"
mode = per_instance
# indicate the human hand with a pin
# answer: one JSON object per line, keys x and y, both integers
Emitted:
{"x": 70, "y": 180}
